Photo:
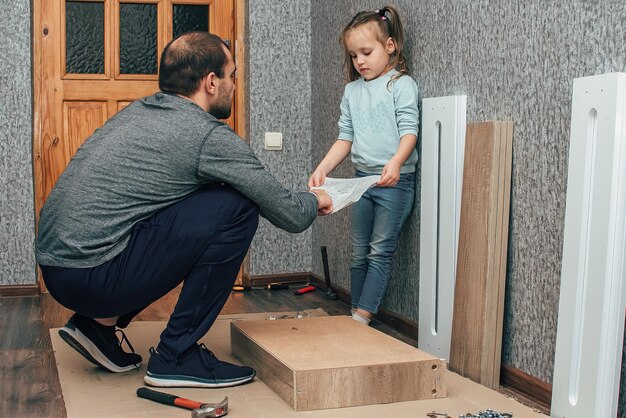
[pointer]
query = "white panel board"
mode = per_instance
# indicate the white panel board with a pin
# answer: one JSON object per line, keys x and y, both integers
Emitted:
{"x": 591, "y": 307}
{"x": 443, "y": 146}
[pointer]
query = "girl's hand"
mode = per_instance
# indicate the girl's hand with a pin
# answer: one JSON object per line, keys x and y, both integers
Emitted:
{"x": 390, "y": 175}
{"x": 317, "y": 179}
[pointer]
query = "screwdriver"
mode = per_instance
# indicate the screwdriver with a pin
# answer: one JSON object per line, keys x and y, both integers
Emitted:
{"x": 277, "y": 286}
{"x": 271, "y": 286}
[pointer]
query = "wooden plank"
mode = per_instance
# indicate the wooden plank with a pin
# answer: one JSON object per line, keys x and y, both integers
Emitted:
{"x": 309, "y": 365}
{"x": 19, "y": 290}
{"x": 504, "y": 204}
{"x": 350, "y": 386}
{"x": 108, "y": 90}
{"x": 270, "y": 370}
{"x": 481, "y": 270}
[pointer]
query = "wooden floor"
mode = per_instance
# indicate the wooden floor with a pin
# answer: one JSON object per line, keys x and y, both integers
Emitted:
{"x": 29, "y": 384}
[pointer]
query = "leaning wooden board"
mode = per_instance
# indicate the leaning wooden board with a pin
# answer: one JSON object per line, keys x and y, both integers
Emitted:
{"x": 477, "y": 322}
{"x": 335, "y": 362}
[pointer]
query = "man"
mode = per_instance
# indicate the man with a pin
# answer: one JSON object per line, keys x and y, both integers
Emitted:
{"x": 163, "y": 193}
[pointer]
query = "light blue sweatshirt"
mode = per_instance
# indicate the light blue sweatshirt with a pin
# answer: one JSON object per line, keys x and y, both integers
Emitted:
{"x": 374, "y": 116}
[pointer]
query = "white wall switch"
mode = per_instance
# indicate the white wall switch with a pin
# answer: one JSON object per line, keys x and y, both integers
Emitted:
{"x": 273, "y": 141}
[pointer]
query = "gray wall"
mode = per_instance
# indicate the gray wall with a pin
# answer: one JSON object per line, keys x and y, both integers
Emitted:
{"x": 515, "y": 61}
{"x": 279, "y": 90}
{"x": 17, "y": 215}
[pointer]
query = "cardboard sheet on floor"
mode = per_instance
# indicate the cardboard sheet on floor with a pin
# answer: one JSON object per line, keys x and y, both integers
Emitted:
{"x": 91, "y": 392}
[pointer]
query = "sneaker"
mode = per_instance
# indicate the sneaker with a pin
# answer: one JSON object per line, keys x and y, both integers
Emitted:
{"x": 99, "y": 344}
{"x": 200, "y": 368}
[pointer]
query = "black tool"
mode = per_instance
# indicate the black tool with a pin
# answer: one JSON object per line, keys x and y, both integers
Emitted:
{"x": 277, "y": 286}
{"x": 241, "y": 288}
{"x": 271, "y": 286}
{"x": 330, "y": 294}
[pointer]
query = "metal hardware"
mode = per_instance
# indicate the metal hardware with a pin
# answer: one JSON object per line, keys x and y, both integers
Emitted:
{"x": 296, "y": 315}
{"x": 488, "y": 413}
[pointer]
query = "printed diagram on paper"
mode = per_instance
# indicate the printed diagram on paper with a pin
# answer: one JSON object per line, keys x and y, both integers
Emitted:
{"x": 344, "y": 192}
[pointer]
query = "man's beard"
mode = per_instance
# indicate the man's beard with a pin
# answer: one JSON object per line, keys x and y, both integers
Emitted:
{"x": 221, "y": 109}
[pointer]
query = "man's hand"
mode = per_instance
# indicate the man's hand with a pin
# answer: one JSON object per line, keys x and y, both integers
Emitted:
{"x": 324, "y": 202}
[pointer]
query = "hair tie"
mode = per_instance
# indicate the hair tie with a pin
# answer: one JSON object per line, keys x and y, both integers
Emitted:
{"x": 381, "y": 13}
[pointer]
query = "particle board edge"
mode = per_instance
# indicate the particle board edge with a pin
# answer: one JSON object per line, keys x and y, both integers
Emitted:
{"x": 271, "y": 371}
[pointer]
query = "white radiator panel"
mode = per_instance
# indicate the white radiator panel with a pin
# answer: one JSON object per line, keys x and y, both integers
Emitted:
{"x": 592, "y": 302}
{"x": 443, "y": 146}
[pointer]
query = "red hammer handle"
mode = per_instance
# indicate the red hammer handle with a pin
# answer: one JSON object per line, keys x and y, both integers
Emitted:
{"x": 168, "y": 399}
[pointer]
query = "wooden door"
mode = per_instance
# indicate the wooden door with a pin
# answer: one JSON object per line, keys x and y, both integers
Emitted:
{"x": 93, "y": 57}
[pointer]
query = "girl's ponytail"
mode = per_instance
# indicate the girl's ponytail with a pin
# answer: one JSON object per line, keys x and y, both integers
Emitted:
{"x": 391, "y": 24}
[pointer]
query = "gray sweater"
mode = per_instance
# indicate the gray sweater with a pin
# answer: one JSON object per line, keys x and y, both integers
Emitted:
{"x": 150, "y": 155}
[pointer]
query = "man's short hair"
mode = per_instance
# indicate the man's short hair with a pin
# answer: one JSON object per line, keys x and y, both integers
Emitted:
{"x": 187, "y": 59}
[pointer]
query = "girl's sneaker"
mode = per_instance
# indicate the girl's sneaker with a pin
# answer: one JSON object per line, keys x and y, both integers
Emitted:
{"x": 99, "y": 344}
{"x": 197, "y": 368}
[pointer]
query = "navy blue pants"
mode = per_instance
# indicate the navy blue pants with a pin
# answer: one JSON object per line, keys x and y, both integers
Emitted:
{"x": 200, "y": 241}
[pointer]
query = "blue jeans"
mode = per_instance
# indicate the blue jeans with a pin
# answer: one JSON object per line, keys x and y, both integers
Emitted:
{"x": 377, "y": 219}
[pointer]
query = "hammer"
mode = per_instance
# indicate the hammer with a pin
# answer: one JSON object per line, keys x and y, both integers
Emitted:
{"x": 198, "y": 409}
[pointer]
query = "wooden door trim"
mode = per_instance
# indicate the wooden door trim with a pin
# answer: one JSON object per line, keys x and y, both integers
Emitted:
{"x": 241, "y": 61}
{"x": 240, "y": 13}
{"x": 46, "y": 43}
{"x": 46, "y": 50}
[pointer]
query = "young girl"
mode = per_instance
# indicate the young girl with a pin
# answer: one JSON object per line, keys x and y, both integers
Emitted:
{"x": 378, "y": 127}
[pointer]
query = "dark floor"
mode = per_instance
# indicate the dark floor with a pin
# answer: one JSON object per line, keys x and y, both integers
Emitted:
{"x": 29, "y": 384}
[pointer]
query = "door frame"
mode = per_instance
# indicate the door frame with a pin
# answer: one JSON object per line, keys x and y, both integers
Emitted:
{"x": 43, "y": 42}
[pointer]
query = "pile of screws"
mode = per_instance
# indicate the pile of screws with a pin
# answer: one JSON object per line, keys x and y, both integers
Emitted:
{"x": 488, "y": 413}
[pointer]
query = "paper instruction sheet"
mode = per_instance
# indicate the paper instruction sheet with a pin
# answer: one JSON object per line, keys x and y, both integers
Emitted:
{"x": 344, "y": 192}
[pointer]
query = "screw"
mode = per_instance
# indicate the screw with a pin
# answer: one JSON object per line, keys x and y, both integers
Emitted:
{"x": 438, "y": 414}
